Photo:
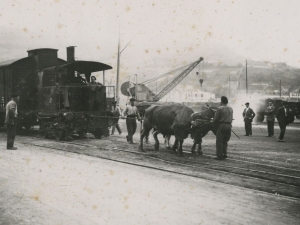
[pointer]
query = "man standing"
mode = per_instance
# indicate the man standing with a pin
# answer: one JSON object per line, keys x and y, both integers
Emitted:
{"x": 282, "y": 118}
{"x": 270, "y": 112}
{"x": 93, "y": 101}
{"x": 248, "y": 115}
{"x": 116, "y": 113}
{"x": 131, "y": 112}
{"x": 11, "y": 121}
{"x": 223, "y": 118}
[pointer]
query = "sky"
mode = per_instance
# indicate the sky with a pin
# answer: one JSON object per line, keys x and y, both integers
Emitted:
{"x": 163, "y": 34}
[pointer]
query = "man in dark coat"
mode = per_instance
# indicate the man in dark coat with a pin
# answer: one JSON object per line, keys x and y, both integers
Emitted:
{"x": 270, "y": 112}
{"x": 11, "y": 121}
{"x": 223, "y": 118}
{"x": 248, "y": 115}
{"x": 282, "y": 118}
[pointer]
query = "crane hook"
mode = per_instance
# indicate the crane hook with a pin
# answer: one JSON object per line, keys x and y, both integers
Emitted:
{"x": 201, "y": 81}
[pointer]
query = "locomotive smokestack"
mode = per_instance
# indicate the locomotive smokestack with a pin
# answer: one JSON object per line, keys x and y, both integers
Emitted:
{"x": 71, "y": 53}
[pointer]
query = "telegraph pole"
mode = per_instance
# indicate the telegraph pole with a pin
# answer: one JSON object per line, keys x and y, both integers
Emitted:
{"x": 135, "y": 89}
{"x": 246, "y": 79}
{"x": 118, "y": 67}
{"x": 280, "y": 88}
{"x": 229, "y": 88}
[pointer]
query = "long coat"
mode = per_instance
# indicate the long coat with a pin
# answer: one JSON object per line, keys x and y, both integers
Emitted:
{"x": 282, "y": 117}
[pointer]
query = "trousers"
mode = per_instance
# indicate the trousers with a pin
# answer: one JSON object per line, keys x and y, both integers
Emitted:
{"x": 114, "y": 127}
{"x": 131, "y": 127}
{"x": 248, "y": 126}
{"x": 11, "y": 134}
{"x": 282, "y": 127}
{"x": 270, "y": 128}
{"x": 222, "y": 137}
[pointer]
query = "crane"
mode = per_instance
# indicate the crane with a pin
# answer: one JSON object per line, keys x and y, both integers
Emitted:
{"x": 142, "y": 93}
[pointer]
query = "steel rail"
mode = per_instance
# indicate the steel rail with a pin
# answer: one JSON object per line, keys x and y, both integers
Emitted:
{"x": 170, "y": 171}
{"x": 193, "y": 166}
{"x": 232, "y": 159}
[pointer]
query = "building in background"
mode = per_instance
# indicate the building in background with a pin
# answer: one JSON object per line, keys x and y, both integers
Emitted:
{"x": 183, "y": 95}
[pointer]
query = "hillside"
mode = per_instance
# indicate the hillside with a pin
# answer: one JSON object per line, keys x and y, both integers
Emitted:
{"x": 263, "y": 78}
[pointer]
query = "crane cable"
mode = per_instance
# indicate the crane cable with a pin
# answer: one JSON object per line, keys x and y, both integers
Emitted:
{"x": 168, "y": 73}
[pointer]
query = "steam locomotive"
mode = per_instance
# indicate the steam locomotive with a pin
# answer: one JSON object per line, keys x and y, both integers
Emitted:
{"x": 293, "y": 107}
{"x": 57, "y": 95}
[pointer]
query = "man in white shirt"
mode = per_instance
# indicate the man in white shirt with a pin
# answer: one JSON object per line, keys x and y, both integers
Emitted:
{"x": 131, "y": 112}
{"x": 11, "y": 121}
{"x": 116, "y": 113}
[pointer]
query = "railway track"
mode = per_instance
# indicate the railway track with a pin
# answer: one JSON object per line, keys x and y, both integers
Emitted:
{"x": 245, "y": 174}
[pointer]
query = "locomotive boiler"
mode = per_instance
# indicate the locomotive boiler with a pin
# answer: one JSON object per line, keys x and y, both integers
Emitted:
{"x": 61, "y": 97}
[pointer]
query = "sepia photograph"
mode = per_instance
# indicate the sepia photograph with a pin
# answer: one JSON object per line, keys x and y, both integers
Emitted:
{"x": 149, "y": 112}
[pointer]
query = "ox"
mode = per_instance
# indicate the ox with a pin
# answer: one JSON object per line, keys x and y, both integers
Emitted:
{"x": 172, "y": 119}
{"x": 201, "y": 125}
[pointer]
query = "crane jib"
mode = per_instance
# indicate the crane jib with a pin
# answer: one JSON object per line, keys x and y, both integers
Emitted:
{"x": 177, "y": 80}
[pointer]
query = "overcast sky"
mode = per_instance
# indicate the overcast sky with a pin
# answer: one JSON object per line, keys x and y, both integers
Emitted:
{"x": 166, "y": 33}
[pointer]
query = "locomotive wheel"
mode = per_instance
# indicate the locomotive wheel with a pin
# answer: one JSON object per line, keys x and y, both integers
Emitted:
{"x": 106, "y": 132}
{"x": 82, "y": 134}
{"x": 46, "y": 129}
{"x": 60, "y": 135}
{"x": 98, "y": 133}
{"x": 19, "y": 127}
{"x": 27, "y": 126}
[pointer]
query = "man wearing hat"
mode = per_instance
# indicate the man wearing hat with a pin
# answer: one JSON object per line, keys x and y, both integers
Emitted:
{"x": 270, "y": 112}
{"x": 223, "y": 118}
{"x": 248, "y": 115}
{"x": 282, "y": 118}
{"x": 131, "y": 112}
{"x": 116, "y": 113}
{"x": 11, "y": 121}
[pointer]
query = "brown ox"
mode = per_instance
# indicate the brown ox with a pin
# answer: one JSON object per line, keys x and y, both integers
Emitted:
{"x": 201, "y": 125}
{"x": 172, "y": 119}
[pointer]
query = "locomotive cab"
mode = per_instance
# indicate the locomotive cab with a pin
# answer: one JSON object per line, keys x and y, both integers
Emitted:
{"x": 71, "y": 101}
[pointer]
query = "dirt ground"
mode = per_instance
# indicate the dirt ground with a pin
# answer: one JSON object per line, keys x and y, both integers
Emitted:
{"x": 46, "y": 182}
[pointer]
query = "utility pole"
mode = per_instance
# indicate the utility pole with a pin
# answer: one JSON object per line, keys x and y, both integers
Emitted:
{"x": 135, "y": 89}
{"x": 103, "y": 77}
{"x": 229, "y": 88}
{"x": 246, "y": 79}
{"x": 118, "y": 67}
{"x": 280, "y": 88}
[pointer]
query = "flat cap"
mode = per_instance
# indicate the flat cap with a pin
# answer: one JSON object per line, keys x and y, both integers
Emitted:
{"x": 247, "y": 103}
{"x": 132, "y": 99}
